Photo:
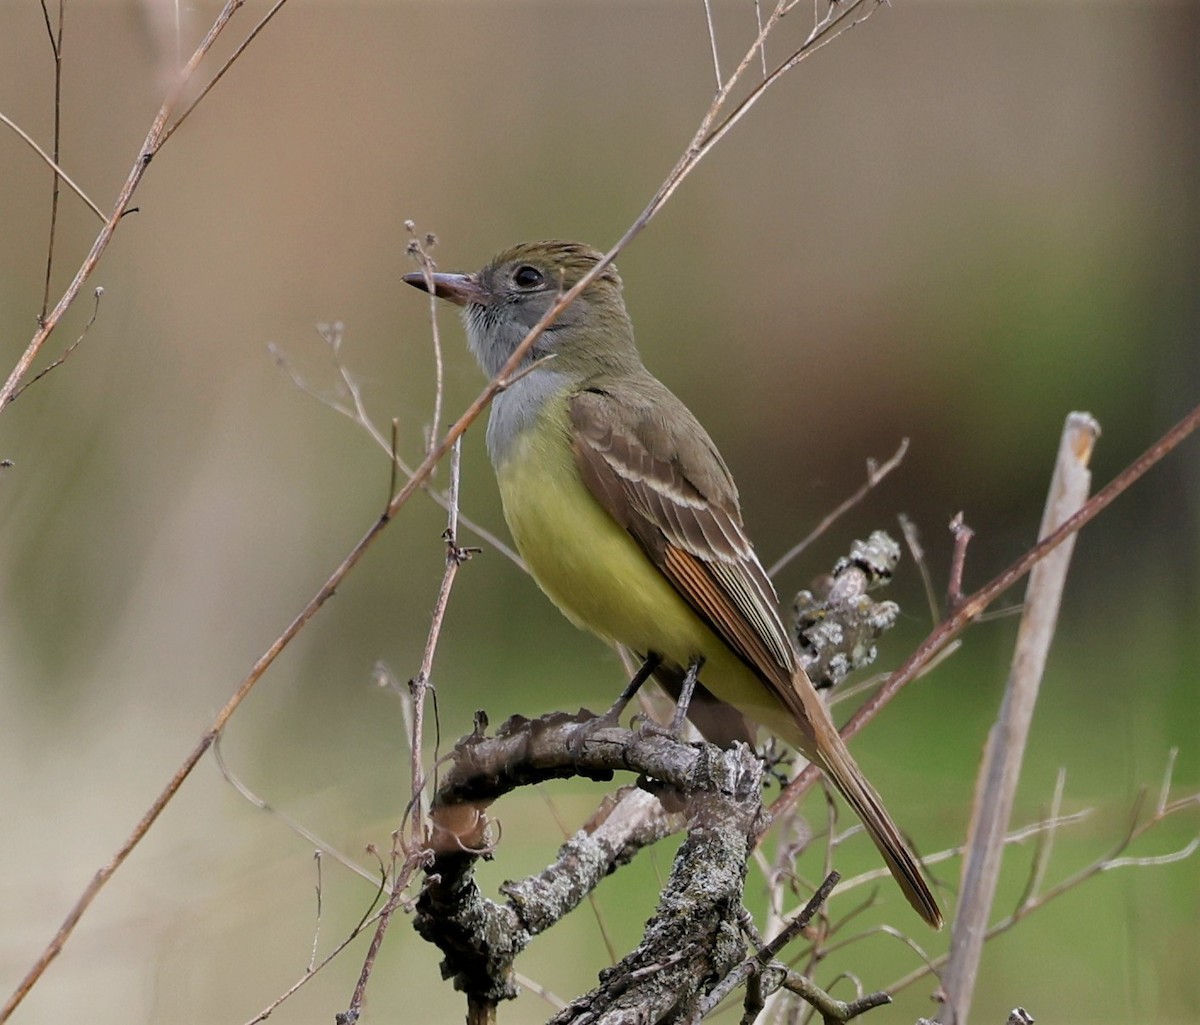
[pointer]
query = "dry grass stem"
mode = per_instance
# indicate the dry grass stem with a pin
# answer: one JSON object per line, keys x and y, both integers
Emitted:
{"x": 56, "y": 48}
{"x": 357, "y": 931}
{"x": 1033, "y": 831}
{"x": 1005, "y": 751}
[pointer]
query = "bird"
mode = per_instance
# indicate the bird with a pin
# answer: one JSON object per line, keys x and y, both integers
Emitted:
{"x": 629, "y": 519}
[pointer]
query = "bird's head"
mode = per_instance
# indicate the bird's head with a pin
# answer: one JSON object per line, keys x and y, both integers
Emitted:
{"x": 506, "y": 298}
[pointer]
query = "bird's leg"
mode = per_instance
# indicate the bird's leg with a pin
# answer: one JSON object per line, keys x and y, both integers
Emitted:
{"x": 686, "y": 690}
{"x": 613, "y": 716}
{"x": 651, "y": 662}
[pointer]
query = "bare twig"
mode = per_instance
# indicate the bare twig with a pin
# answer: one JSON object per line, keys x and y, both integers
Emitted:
{"x": 758, "y": 23}
{"x": 98, "y": 294}
{"x": 831, "y": 1010}
{"x": 53, "y": 165}
{"x": 801, "y": 922}
{"x": 154, "y": 140}
{"x": 975, "y": 604}
{"x": 712, "y": 129}
{"x": 1045, "y": 840}
{"x": 309, "y": 973}
{"x": 712, "y": 40}
{"x": 762, "y": 965}
{"x": 302, "y": 831}
{"x": 912, "y": 538}
{"x": 419, "y": 685}
{"x": 420, "y": 252}
{"x": 312, "y": 957}
{"x": 962, "y": 535}
{"x": 56, "y": 42}
{"x": 149, "y": 147}
{"x": 538, "y": 990}
{"x": 875, "y": 474}
{"x": 241, "y": 48}
{"x": 1005, "y": 751}
{"x": 351, "y": 1014}
{"x": 1034, "y": 899}
{"x": 332, "y": 335}
{"x": 1036, "y": 830}
{"x": 415, "y": 846}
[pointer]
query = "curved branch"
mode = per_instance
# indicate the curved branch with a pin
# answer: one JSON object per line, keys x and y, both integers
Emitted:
{"x": 693, "y": 940}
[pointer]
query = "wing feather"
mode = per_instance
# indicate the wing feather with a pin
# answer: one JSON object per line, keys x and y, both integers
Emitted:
{"x": 681, "y": 506}
{"x": 693, "y": 534}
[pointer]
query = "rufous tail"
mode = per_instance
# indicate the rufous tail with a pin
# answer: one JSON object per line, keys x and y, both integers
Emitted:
{"x": 845, "y": 774}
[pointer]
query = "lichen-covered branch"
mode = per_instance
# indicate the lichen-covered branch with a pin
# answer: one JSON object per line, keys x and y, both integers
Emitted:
{"x": 693, "y": 939}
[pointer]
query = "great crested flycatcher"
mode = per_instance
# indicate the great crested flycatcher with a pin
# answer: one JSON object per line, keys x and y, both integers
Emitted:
{"x": 628, "y": 517}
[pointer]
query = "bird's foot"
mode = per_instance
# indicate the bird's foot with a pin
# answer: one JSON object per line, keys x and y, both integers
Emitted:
{"x": 613, "y": 716}
{"x": 676, "y": 729}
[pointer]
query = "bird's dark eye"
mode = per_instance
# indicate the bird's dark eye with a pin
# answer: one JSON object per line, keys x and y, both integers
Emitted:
{"x": 527, "y": 277}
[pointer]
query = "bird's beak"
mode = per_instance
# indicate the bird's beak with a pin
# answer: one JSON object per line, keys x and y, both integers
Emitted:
{"x": 460, "y": 289}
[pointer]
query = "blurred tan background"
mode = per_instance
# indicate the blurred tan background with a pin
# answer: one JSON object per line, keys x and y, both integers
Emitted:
{"x": 956, "y": 224}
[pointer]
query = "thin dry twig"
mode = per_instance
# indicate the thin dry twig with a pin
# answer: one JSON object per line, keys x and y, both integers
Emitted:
{"x": 712, "y": 39}
{"x": 97, "y": 294}
{"x": 302, "y": 831}
{"x": 153, "y": 142}
{"x": 1045, "y": 845}
{"x": 912, "y": 538}
{"x": 420, "y": 252}
{"x": 229, "y": 62}
{"x": 312, "y": 970}
{"x": 875, "y": 474}
{"x": 801, "y": 921}
{"x": 413, "y": 848}
{"x": 758, "y": 23}
{"x": 762, "y": 963}
{"x": 150, "y": 146}
{"x": 333, "y": 335}
{"x": 351, "y": 1014}
{"x": 1036, "y": 830}
{"x": 832, "y": 1010}
{"x": 312, "y": 957}
{"x": 962, "y": 535}
{"x": 1005, "y": 750}
{"x": 53, "y": 165}
{"x": 1034, "y": 898}
{"x": 419, "y": 685}
{"x": 56, "y": 48}
{"x": 975, "y": 604}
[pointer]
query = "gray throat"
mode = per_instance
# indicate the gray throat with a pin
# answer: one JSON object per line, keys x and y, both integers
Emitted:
{"x": 516, "y": 409}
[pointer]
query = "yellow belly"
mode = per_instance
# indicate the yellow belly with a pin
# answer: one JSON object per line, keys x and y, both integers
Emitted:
{"x": 602, "y": 580}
